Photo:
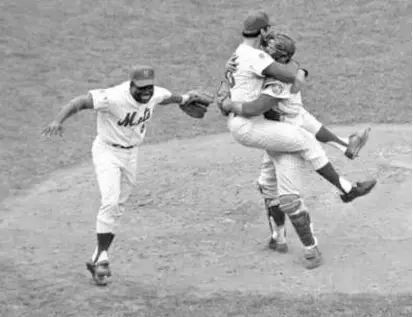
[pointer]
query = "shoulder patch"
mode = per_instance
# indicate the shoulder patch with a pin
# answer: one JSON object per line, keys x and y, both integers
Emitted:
{"x": 277, "y": 88}
{"x": 261, "y": 55}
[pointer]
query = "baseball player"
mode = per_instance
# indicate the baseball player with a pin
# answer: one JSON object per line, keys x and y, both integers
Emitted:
{"x": 280, "y": 174}
{"x": 280, "y": 46}
{"x": 123, "y": 112}
{"x": 244, "y": 109}
{"x": 281, "y": 190}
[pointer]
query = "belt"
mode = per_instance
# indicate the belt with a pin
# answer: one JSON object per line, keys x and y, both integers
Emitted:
{"x": 123, "y": 147}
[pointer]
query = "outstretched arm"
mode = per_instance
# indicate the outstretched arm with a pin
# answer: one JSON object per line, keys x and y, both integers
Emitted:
{"x": 194, "y": 103}
{"x": 174, "y": 98}
{"x": 75, "y": 105}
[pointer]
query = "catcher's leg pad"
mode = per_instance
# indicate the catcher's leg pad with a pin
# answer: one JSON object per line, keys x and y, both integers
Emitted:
{"x": 274, "y": 211}
{"x": 294, "y": 207}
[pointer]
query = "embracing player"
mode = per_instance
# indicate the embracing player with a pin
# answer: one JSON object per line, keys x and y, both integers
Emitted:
{"x": 123, "y": 111}
{"x": 279, "y": 181}
{"x": 282, "y": 48}
{"x": 244, "y": 108}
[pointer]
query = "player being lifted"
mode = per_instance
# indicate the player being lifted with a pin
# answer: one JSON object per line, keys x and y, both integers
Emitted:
{"x": 282, "y": 48}
{"x": 245, "y": 108}
{"x": 279, "y": 181}
{"x": 123, "y": 111}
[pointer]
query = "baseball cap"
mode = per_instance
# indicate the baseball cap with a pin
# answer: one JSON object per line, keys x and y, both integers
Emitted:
{"x": 142, "y": 75}
{"x": 255, "y": 22}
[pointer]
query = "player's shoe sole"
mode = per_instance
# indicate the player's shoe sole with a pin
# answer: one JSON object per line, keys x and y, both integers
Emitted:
{"x": 313, "y": 258}
{"x": 356, "y": 143}
{"x": 100, "y": 272}
{"x": 361, "y": 189}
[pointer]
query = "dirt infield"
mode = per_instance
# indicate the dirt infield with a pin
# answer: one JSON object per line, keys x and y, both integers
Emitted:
{"x": 195, "y": 225}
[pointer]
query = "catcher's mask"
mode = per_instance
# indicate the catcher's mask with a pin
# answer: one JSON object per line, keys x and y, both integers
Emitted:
{"x": 281, "y": 47}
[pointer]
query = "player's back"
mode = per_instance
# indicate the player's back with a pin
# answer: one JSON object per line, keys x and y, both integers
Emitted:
{"x": 248, "y": 79}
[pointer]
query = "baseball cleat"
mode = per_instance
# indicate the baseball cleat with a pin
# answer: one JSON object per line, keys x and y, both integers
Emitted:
{"x": 356, "y": 142}
{"x": 100, "y": 272}
{"x": 361, "y": 189}
{"x": 276, "y": 246}
{"x": 278, "y": 240}
{"x": 313, "y": 258}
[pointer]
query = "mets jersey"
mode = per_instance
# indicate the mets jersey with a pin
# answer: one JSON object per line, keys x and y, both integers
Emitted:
{"x": 290, "y": 104}
{"x": 247, "y": 81}
{"x": 120, "y": 118}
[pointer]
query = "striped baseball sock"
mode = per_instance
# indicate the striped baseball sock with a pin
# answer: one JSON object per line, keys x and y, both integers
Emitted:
{"x": 330, "y": 174}
{"x": 326, "y": 136}
{"x": 104, "y": 241}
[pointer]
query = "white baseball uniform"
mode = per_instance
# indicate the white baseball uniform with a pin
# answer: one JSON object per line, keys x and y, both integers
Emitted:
{"x": 291, "y": 107}
{"x": 257, "y": 132}
{"x": 121, "y": 128}
{"x": 281, "y": 172}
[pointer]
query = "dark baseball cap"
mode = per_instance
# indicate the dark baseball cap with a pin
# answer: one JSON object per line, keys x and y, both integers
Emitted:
{"x": 255, "y": 22}
{"x": 142, "y": 75}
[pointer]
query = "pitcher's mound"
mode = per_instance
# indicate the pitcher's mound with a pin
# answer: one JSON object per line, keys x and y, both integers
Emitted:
{"x": 196, "y": 221}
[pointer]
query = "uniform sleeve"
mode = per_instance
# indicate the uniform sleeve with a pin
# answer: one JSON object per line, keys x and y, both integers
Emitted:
{"x": 161, "y": 94}
{"x": 260, "y": 62}
{"x": 100, "y": 99}
{"x": 277, "y": 89}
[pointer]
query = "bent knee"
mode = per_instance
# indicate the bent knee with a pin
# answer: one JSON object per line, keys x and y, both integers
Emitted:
{"x": 110, "y": 209}
{"x": 291, "y": 204}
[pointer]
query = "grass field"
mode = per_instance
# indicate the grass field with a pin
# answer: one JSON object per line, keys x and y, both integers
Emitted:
{"x": 359, "y": 57}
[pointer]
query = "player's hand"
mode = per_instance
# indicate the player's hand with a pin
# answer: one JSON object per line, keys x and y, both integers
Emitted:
{"x": 226, "y": 107}
{"x": 221, "y": 95}
{"x": 231, "y": 65}
{"x": 52, "y": 129}
{"x": 299, "y": 81}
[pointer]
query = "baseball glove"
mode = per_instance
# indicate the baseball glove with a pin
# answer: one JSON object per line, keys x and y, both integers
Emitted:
{"x": 197, "y": 104}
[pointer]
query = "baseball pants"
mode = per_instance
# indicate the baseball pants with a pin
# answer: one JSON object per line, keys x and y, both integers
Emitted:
{"x": 277, "y": 137}
{"x": 280, "y": 173}
{"x": 304, "y": 120}
{"x": 116, "y": 170}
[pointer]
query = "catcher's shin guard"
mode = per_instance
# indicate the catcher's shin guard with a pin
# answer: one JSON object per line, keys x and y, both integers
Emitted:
{"x": 275, "y": 212}
{"x": 293, "y": 206}
{"x": 313, "y": 257}
{"x": 276, "y": 220}
{"x": 302, "y": 225}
